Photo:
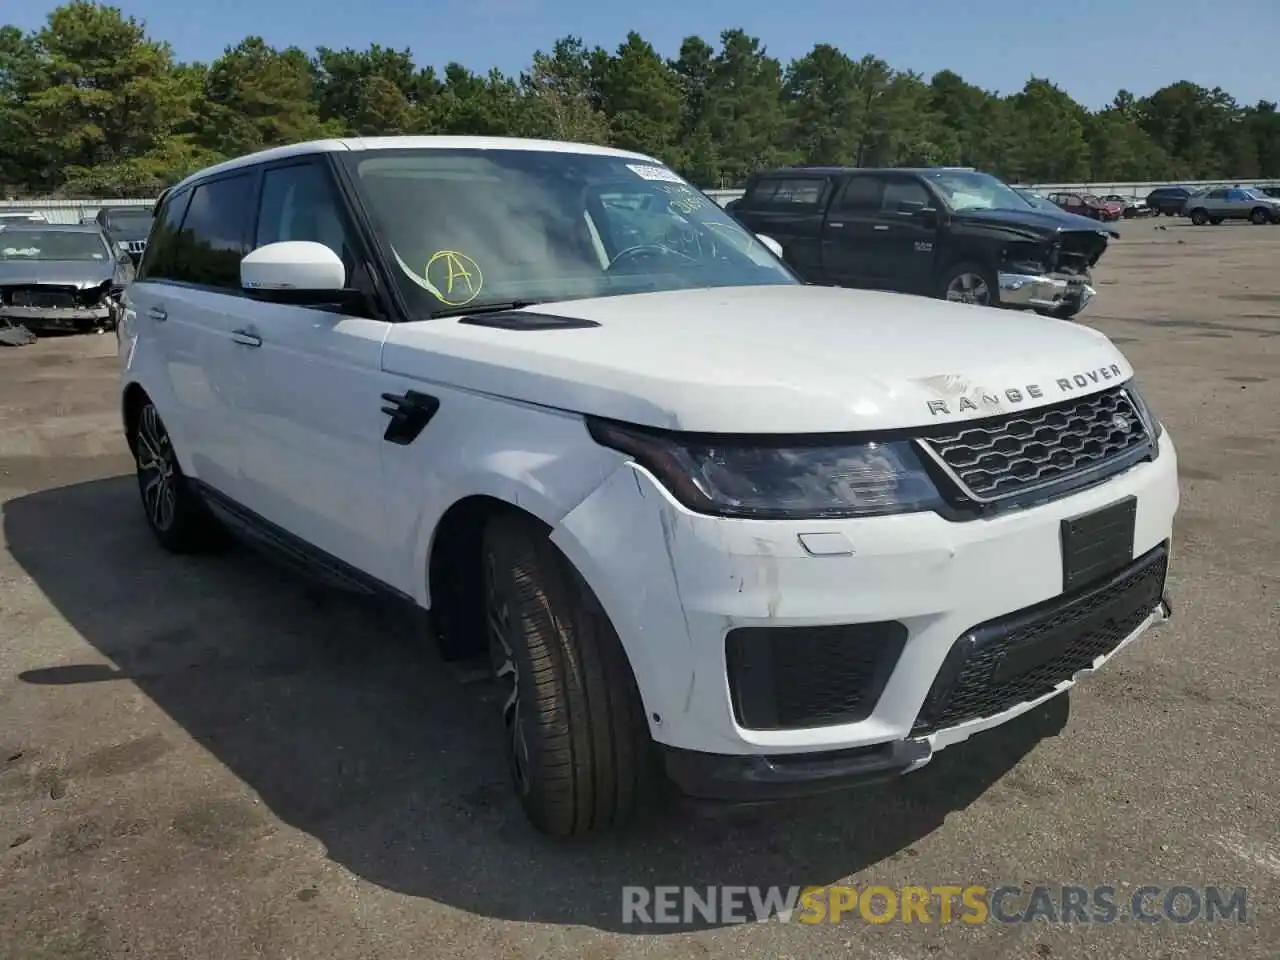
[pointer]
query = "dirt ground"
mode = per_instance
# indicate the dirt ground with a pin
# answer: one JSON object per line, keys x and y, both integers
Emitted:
{"x": 208, "y": 758}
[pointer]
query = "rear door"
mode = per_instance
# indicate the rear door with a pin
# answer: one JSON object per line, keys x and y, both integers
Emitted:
{"x": 204, "y": 303}
{"x": 854, "y": 237}
{"x": 788, "y": 207}
{"x": 178, "y": 306}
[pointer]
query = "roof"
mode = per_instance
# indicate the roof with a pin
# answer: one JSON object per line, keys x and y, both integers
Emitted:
{"x": 351, "y": 144}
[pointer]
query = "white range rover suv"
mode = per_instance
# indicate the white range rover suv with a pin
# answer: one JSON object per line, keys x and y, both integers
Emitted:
{"x": 715, "y": 527}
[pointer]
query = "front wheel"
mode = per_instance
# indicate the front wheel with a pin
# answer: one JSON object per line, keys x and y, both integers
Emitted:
{"x": 970, "y": 283}
{"x": 1260, "y": 215}
{"x": 576, "y": 739}
{"x": 1199, "y": 217}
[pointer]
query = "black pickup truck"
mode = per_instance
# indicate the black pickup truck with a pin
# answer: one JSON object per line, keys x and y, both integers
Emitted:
{"x": 952, "y": 233}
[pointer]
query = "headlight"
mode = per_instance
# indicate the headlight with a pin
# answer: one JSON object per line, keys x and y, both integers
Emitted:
{"x": 759, "y": 479}
{"x": 1154, "y": 426}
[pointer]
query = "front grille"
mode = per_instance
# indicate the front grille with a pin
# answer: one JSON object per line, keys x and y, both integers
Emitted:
{"x": 794, "y": 677}
{"x": 1025, "y": 655}
{"x": 1006, "y": 456}
{"x": 42, "y": 298}
{"x": 135, "y": 246}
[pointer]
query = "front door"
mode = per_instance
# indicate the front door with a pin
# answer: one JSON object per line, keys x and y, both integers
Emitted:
{"x": 907, "y": 247}
{"x": 310, "y": 412}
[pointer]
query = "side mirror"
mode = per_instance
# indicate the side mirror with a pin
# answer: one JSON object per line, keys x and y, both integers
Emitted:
{"x": 771, "y": 243}
{"x": 298, "y": 272}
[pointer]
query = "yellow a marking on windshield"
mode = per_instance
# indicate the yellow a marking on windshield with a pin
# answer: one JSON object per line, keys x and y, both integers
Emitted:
{"x": 459, "y": 271}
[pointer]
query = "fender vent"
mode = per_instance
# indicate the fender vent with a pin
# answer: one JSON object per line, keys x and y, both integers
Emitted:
{"x": 523, "y": 320}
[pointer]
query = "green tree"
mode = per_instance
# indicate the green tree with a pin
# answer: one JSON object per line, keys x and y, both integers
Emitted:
{"x": 561, "y": 97}
{"x": 824, "y": 106}
{"x": 694, "y": 69}
{"x": 640, "y": 94}
{"x": 746, "y": 108}
{"x": 102, "y": 97}
{"x": 257, "y": 97}
{"x": 1053, "y": 144}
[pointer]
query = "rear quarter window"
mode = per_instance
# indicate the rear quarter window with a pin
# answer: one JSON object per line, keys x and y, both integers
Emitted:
{"x": 785, "y": 192}
{"x": 158, "y": 260}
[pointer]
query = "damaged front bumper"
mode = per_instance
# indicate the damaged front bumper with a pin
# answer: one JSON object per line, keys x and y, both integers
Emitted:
{"x": 102, "y": 316}
{"x": 1049, "y": 292}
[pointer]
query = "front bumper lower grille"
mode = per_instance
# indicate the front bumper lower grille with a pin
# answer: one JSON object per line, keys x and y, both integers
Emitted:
{"x": 1002, "y": 457}
{"x": 783, "y": 678}
{"x": 1019, "y": 657}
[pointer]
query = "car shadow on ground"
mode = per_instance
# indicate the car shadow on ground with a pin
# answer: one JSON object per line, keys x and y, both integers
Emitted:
{"x": 337, "y": 713}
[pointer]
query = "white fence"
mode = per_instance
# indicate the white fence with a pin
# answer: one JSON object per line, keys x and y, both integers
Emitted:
{"x": 72, "y": 211}
{"x": 68, "y": 211}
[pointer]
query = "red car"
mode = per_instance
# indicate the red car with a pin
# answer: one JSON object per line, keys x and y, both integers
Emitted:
{"x": 1088, "y": 205}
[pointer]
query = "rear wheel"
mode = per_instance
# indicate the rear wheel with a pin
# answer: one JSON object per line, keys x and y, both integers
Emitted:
{"x": 576, "y": 738}
{"x": 970, "y": 283}
{"x": 175, "y": 513}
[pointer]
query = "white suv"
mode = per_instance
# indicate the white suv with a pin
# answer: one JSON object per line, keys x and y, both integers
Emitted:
{"x": 714, "y": 526}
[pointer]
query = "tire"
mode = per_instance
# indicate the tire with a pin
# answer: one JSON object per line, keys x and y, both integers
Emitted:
{"x": 576, "y": 738}
{"x": 175, "y": 513}
{"x": 1199, "y": 217}
{"x": 1259, "y": 215}
{"x": 952, "y": 278}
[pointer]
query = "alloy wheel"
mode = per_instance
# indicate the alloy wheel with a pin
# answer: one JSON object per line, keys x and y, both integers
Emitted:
{"x": 506, "y": 671}
{"x": 157, "y": 469}
{"x": 969, "y": 288}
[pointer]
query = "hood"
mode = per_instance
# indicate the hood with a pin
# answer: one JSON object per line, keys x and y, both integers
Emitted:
{"x": 768, "y": 359}
{"x": 1040, "y": 224}
{"x": 64, "y": 273}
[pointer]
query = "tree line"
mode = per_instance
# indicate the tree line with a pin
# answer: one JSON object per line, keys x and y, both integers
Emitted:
{"x": 90, "y": 105}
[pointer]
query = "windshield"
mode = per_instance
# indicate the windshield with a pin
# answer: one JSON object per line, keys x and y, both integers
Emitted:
{"x": 51, "y": 245}
{"x": 968, "y": 190}
{"x": 473, "y": 228}
{"x": 135, "y": 225}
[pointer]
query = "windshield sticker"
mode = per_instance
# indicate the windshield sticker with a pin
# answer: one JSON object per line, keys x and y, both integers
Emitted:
{"x": 647, "y": 171}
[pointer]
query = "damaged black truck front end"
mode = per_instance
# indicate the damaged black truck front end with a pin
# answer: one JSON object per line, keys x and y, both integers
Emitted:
{"x": 1042, "y": 262}
{"x": 57, "y": 277}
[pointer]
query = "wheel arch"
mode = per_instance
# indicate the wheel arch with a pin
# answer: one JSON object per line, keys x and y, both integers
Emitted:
{"x": 132, "y": 399}
{"x": 453, "y": 582}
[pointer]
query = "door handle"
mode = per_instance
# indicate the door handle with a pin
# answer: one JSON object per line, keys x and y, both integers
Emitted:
{"x": 245, "y": 338}
{"x": 880, "y": 226}
{"x": 835, "y": 226}
{"x": 158, "y": 314}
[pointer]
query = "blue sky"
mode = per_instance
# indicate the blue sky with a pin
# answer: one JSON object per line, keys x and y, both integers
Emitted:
{"x": 1091, "y": 48}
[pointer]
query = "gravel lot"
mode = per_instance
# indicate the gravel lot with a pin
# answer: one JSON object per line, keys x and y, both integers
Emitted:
{"x": 207, "y": 757}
